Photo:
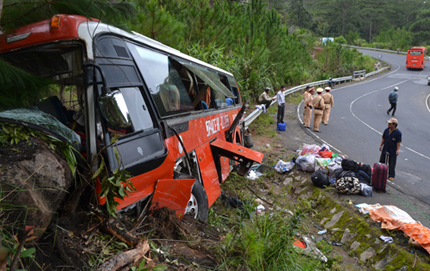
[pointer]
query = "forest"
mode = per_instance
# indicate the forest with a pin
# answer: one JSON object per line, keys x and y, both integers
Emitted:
{"x": 263, "y": 43}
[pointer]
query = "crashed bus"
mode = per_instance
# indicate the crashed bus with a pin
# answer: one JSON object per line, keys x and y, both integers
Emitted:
{"x": 177, "y": 120}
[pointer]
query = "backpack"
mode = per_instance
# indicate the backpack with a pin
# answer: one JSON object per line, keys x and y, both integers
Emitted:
{"x": 320, "y": 179}
{"x": 348, "y": 164}
{"x": 348, "y": 185}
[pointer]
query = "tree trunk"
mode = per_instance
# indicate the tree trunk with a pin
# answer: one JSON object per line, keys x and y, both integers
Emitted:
{"x": 1, "y": 10}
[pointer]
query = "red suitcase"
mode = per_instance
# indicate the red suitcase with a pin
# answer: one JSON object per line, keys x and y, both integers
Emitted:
{"x": 379, "y": 176}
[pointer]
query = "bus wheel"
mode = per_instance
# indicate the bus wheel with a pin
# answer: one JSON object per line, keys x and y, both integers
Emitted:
{"x": 197, "y": 205}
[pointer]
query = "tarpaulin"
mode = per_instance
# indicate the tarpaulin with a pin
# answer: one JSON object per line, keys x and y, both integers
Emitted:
{"x": 419, "y": 233}
{"x": 394, "y": 218}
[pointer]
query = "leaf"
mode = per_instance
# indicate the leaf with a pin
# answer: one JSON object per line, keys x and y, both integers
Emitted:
{"x": 102, "y": 166}
{"x": 141, "y": 265}
{"x": 160, "y": 268}
{"x": 28, "y": 252}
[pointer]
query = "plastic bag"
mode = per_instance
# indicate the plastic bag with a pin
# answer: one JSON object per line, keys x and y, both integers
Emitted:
{"x": 324, "y": 147}
{"x": 332, "y": 166}
{"x": 366, "y": 190}
{"x": 282, "y": 167}
{"x": 310, "y": 149}
{"x": 322, "y": 163}
{"x": 306, "y": 163}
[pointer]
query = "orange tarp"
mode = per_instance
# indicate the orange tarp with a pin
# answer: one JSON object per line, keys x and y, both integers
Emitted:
{"x": 419, "y": 233}
{"x": 394, "y": 218}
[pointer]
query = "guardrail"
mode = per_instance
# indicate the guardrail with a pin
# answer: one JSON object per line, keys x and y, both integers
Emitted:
{"x": 254, "y": 114}
{"x": 376, "y": 49}
{"x": 359, "y": 74}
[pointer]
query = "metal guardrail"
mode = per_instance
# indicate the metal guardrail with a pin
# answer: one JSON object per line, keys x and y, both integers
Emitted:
{"x": 254, "y": 114}
{"x": 359, "y": 74}
{"x": 376, "y": 49}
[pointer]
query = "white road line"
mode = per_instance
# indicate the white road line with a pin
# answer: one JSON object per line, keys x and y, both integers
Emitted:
{"x": 373, "y": 129}
{"x": 427, "y": 104}
{"x": 357, "y": 83}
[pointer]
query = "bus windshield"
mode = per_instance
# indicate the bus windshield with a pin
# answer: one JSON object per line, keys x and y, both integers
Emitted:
{"x": 415, "y": 53}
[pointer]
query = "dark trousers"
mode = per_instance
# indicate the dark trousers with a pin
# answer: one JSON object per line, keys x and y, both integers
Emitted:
{"x": 266, "y": 103}
{"x": 393, "y": 107}
{"x": 392, "y": 159}
{"x": 281, "y": 110}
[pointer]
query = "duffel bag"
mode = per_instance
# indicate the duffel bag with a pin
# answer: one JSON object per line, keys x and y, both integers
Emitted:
{"x": 348, "y": 185}
{"x": 348, "y": 164}
{"x": 320, "y": 179}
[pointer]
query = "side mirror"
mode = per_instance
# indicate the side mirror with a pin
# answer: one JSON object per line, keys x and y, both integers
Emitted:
{"x": 114, "y": 110}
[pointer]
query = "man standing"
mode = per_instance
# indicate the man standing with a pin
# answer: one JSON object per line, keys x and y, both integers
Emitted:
{"x": 265, "y": 98}
{"x": 280, "y": 97}
{"x": 390, "y": 147}
{"x": 318, "y": 104}
{"x": 392, "y": 98}
{"x": 307, "y": 99}
{"x": 329, "y": 102}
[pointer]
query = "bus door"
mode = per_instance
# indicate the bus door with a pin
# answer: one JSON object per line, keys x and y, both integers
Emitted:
{"x": 125, "y": 112}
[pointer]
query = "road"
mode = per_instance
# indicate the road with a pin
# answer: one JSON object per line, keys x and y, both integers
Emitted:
{"x": 359, "y": 117}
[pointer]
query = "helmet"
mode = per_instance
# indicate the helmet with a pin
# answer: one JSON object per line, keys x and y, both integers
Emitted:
{"x": 396, "y": 88}
{"x": 267, "y": 89}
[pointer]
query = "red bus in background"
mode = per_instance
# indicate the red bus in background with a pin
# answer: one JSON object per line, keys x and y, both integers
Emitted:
{"x": 177, "y": 119}
{"x": 416, "y": 58}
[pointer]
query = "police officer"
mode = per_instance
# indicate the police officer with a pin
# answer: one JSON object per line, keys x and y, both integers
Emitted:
{"x": 307, "y": 99}
{"x": 318, "y": 104}
{"x": 329, "y": 102}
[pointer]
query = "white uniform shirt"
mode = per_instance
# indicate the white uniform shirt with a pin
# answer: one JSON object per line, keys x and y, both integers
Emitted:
{"x": 280, "y": 98}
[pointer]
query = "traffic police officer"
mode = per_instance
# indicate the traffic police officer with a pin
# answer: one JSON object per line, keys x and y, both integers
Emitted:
{"x": 318, "y": 104}
{"x": 307, "y": 98}
{"x": 329, "y": 102}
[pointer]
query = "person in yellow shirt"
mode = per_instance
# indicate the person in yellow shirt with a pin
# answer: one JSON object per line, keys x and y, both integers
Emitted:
{"x": 307, "y": 99}
{"x": 265, "y": 98}
{"x": 329, "y": 102}
{"x": 318, "y": 104}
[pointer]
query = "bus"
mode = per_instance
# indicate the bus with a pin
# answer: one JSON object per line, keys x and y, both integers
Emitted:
{"x": 416, "y": 58}
{"x": 177, "y": 120}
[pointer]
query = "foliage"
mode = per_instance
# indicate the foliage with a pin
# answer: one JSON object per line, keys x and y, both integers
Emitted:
{"x": 263, "y": 242}
{"x": 115, "y": 185}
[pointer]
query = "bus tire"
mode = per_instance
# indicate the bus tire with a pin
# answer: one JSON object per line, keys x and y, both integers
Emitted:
{"x": 198, "y": 201}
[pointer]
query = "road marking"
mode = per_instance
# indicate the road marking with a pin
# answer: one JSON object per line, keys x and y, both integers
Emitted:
{"x": 427, "y": 103}
{"x": 355, "y": 83}
{"x": 373, "y": 129}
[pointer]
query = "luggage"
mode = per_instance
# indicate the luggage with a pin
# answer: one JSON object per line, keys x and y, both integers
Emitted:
{"x": 363, "y": 177}
{"x": 366, "y": 168}
{"x": 281, "y": 126}
{"x": 379, "y": 176}
{"x": 348, "y": 164}
{"x": 320, "y": 179}
{"x": 348, "y": 185}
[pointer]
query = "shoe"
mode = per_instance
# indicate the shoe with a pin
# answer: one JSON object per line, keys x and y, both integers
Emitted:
{"x": 325, "y": 124}
{"x": 317, "y": 131}
{"x": 391, "y": 179}
{"x": 307, "y": 127}
{"x": 388, "y": 113}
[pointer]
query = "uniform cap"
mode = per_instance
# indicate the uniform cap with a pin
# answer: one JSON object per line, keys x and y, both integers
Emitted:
{"x": 267, "y": 89}
{"x": 319, "y": 90}
{"x": 328, "y": 88}
{"x": 392, "y": 120}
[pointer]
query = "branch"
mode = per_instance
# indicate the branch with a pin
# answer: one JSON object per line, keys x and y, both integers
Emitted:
{"x": 118, "y": 261}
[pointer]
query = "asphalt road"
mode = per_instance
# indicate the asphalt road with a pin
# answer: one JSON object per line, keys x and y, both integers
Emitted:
{"x": 359, "y": 117}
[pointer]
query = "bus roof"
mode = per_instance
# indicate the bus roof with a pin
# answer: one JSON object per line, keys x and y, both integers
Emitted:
{"x": 420, "y": 48}
{"x": 76, "y": 27}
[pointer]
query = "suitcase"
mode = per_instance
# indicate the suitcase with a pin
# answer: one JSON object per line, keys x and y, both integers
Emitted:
{"x": 281, "y": 126}
{"x": 379, "y": 176}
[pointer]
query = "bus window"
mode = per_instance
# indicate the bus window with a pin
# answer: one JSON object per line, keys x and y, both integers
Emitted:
{"x": 415, "y": 53}
{"x": 163, "y": 81}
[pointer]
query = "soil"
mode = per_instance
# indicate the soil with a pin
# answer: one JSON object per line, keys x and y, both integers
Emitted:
{"x": 77, "y": 242}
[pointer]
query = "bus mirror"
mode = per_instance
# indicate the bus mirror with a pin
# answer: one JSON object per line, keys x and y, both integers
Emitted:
{"x": 114, "y": 110}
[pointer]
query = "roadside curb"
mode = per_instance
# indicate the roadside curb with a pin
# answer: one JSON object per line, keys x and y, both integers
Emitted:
{"x": 357, "y": 236}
